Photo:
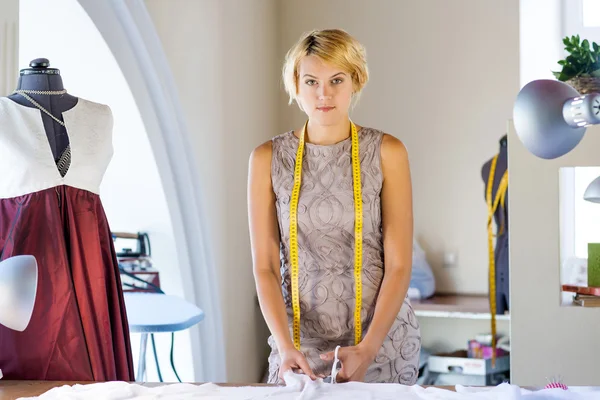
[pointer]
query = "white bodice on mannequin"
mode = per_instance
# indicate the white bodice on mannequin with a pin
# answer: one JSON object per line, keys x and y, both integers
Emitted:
{"x": 26, "y": 161}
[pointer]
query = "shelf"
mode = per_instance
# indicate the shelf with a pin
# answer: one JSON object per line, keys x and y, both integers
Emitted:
{"x": 456, "y": 306}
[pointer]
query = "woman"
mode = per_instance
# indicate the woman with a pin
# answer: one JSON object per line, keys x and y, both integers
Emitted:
{"x": 302, "y": 185}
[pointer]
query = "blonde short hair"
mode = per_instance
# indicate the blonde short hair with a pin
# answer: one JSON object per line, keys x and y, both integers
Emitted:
{"x": 333, "y": 46}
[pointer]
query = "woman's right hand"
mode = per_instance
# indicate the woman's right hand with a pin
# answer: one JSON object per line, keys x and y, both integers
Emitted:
{"x": 292, "y": 359}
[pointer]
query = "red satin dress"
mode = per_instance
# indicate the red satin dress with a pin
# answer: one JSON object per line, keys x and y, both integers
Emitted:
{"x": 78, "y": 330}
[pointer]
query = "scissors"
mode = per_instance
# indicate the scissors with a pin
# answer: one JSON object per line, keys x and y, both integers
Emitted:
{"x": 334, "y": 368}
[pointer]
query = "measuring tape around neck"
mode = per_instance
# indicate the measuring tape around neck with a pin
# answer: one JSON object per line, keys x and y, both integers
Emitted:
{"x": 500, "y": 196}
{"x": 358, "y": 225}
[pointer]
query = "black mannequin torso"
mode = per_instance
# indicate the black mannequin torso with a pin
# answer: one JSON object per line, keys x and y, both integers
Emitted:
{"x": 501, "y": 219}
{"x": 41, "y": 77}
{"x": 501, "y": 166}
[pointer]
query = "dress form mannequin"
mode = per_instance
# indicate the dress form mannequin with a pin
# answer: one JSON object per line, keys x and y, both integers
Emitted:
{"x": 40, "y": 77}
{"x": 78, "y": 330}
{"x": 501, "y": 219}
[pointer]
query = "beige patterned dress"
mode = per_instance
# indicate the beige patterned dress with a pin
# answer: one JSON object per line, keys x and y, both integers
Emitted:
{"x": 326, "y": 255}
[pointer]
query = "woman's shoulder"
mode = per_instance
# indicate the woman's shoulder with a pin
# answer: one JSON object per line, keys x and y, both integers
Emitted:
{"x": 265, "y": 150}
{"x": 390, "y": 145}
{"x": 369, "y": 130}
{"x": 284, "y": 137}
{"x": 392, "y": 150}
{"x": 386, "y": 139}
{"x": 261, "y": 154}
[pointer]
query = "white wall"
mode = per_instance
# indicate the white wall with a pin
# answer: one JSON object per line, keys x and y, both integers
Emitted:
{"x": 223, "y": 57}
{"x": 131, "y": 191}
{"x": 540, "y": 39}
{"x": 9, "y": 45}
{"x": 444, "y": 76}
{"x": 547, "y": 339}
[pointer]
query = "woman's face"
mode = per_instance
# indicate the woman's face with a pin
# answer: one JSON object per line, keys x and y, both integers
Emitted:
{"x": 324, "y": 91}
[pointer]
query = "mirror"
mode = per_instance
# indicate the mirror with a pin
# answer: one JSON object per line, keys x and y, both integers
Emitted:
{"x": 579, "y": 230}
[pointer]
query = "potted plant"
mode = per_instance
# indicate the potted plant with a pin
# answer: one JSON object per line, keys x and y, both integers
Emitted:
{"x": 581, "y": 68}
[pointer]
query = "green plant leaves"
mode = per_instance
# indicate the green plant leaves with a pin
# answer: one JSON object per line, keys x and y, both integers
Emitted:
{"x": 583, "y": 59}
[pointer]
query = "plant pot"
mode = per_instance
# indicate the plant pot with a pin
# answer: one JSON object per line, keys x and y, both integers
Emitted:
{"x": 585, "y": 84}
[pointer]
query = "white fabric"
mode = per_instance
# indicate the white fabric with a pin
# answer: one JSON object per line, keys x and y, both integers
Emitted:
{"x": 300, "y": 387}
{"x": 26, "y": 161}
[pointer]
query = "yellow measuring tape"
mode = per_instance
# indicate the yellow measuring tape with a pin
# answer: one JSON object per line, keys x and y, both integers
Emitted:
{"x": 358, "y": 225}
{"x": 500, "y": 196}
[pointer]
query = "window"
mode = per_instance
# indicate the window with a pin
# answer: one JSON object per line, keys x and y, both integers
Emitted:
{"x": 581, "y": 17}
{"x": 586, "y": 214}
{"x": 579, "y": 225}
{"x": 580, "y": 219}
{"x": 591, "y": 13}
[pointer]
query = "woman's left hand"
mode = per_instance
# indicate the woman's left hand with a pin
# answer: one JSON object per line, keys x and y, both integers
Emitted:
{"x": 355, "y": 362}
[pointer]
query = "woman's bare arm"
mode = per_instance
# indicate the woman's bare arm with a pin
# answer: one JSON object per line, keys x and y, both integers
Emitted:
{"x": 397, "y": 220}
{"x": 264, "y": 238}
